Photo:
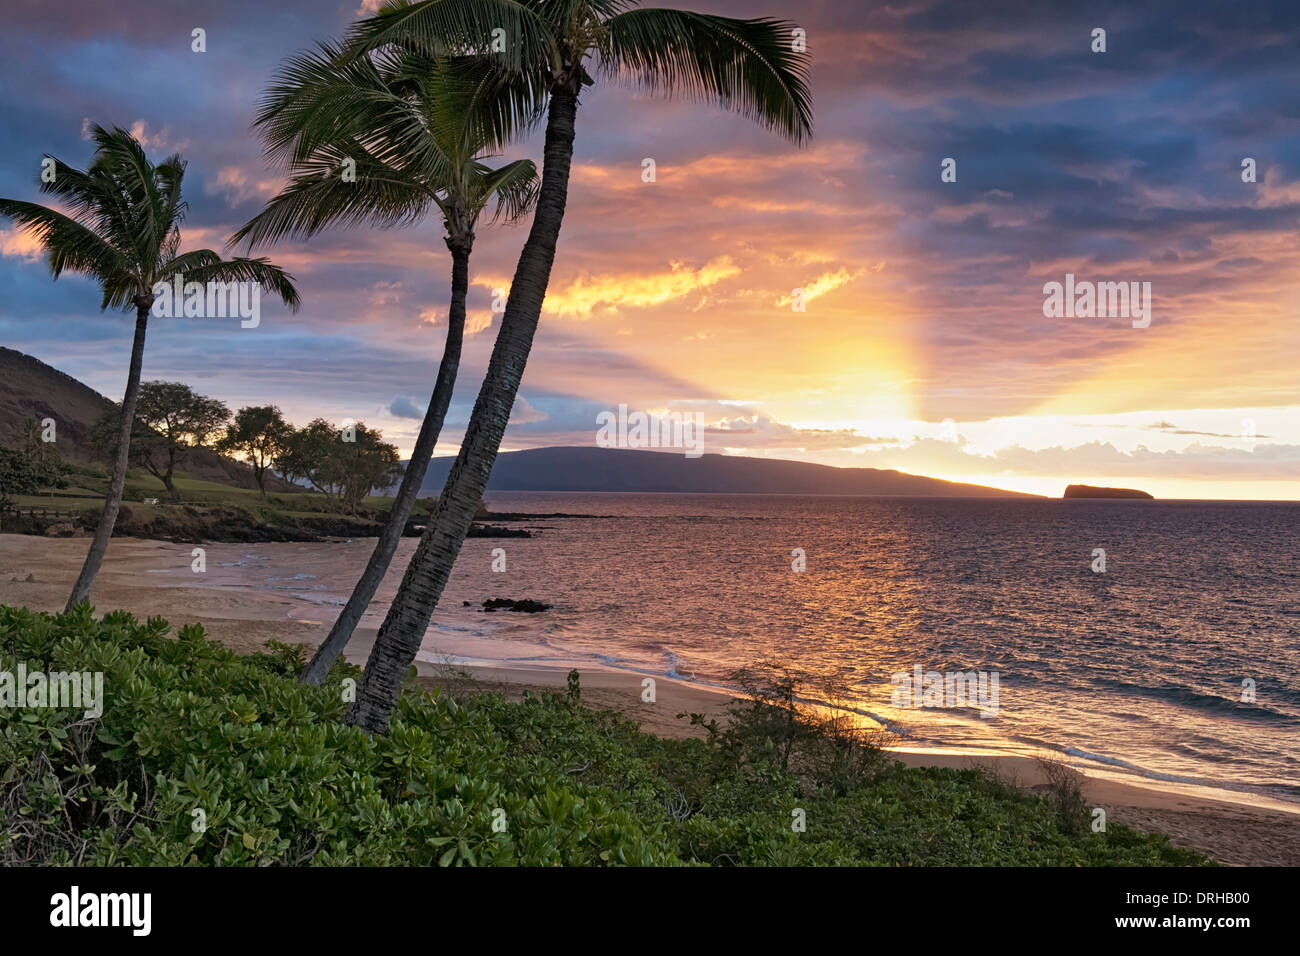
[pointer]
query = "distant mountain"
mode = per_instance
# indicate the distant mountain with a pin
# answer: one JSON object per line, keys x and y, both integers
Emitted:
{"x": 1092, "y": 491}
{"x": 31, "y": 389}
{"x": 609, "y": 469}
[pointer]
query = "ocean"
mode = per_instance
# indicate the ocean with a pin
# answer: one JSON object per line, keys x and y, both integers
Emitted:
{"x": 1179, "y": 661}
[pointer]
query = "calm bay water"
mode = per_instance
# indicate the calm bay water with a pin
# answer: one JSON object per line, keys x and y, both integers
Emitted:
{"x": 1140, "y": 667}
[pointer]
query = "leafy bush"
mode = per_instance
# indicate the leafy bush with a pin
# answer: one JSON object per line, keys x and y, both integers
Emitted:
{"x": 202, "y": 757}
{"x": 1064, "y": 788}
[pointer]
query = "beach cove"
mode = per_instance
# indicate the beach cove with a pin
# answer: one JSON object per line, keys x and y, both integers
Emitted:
{"x": 151, "y": 578}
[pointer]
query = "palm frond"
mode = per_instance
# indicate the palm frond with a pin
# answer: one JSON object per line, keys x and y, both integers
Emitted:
{"x": 124, "y": 226}
{"x": 514, "y": 186}
{"x": 321, "y": 96}
{"x": 747, "y": 66}
{"x": 457, "y": 28}
{"x": 122, "y": 157}
{"x": 204, "y": 265}
{"x": 416, "y": 128}
{"x": 69, "y": 244}
{"x": 319, "y": 198}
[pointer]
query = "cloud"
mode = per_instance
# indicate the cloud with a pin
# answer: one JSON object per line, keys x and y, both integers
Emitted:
{"x": 238, "y": 186}
{"x": 1170, "y": 428}
{"x": 759, "y": 431}
{"x": 523, "y": 413}
{"x": 476, "y": 320}
{"x": 1263, "y": 462}
{"x": 20, "y": 244}
{"x": 403, "y": 407}
{"x": 388, "y": 293}
{"x": 1137, "y": 176}
{"x": 824, "y": 283}
{"x": 588, "y": 294}
{"x": 159, "y": 139}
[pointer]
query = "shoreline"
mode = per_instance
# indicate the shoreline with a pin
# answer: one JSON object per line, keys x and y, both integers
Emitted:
{"x": 1235, "y": 827}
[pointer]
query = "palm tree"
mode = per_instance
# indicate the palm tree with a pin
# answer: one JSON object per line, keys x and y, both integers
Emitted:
{"x": 415, "y": 131}
{"x": 752, "y": 67}
{"x": 122, "y": 229}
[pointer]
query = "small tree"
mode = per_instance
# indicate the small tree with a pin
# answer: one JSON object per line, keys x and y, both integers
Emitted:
{"x": 18, "y": 476}
{"x": 259, "y": 434}
{"x": 342, "y": 464}
{"x": 305, "y": 456}
{"x": 22, "y": 473}
{"x": 171, "y": 420}
{"x": 50, "y": 468}
{"x": 365, "y": 463}
{"x": 33, "y": 444}
{"x": 52, "y": 472}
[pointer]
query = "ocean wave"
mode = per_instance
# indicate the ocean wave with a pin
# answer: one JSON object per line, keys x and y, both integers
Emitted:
{"x": 1198, "y": 700}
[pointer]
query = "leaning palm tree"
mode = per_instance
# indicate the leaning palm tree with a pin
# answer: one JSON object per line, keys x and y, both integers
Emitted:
{"x": 411, "y": 140}
{"x": 122, "y": 229}
{"x": 753, "y": 67}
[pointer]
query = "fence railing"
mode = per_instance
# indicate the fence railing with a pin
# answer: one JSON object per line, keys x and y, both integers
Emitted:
{"x": 38, "y": 512}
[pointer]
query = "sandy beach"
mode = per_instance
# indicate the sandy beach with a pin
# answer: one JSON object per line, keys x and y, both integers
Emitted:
{"x": 1236, "y": 829}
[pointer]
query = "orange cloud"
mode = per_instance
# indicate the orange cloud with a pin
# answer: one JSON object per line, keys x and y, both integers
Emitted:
{"x": 238, "y": 186}
{"x": 826, "y": 282}
{"x": 20, "y": 243}
{"x": 608, "y": 293}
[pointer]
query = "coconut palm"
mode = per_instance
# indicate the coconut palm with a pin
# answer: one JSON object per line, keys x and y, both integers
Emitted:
{"x": 556, "y": 47}
{"x": 122, "y": 229}
{"x": 411, "y": 139}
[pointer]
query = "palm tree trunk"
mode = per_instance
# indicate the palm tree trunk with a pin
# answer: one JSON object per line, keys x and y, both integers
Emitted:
{"x": 113, "y": 503}
{"x": 403, "y": 629}
{"x": 409, "y": 490}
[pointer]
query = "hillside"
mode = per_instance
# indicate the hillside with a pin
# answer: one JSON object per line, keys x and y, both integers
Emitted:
{"x": 31, "y": 389}
{"x": 608, "y": 469}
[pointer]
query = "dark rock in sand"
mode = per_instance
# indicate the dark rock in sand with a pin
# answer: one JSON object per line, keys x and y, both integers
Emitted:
{"x": 506, "y": 604}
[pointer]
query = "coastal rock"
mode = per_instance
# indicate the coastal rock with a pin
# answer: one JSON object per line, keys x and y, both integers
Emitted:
{"x": 1092, "y": 491}
{"x": 415, "y": 529}
{"x": 496, "y": 531}
{"x": 506, "y": 604}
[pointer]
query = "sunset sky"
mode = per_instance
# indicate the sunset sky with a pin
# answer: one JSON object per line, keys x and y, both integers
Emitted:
{"x": 924, "y": 346}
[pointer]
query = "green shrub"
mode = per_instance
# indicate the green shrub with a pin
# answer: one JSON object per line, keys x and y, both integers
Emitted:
{"x": 202, "y": 757}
